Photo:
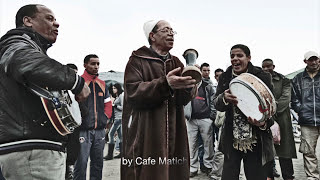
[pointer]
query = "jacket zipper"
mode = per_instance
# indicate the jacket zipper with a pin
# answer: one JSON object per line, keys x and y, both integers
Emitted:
{"x": 95, "y": 105}
{"x": 314, "y": 103}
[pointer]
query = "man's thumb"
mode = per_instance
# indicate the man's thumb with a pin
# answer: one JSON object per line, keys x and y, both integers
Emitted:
{"x": 174, "y": 71}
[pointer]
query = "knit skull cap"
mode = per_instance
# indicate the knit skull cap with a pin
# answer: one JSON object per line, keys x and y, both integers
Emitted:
{"x": 148, "y": 26}
{"x": 310, "y": 54}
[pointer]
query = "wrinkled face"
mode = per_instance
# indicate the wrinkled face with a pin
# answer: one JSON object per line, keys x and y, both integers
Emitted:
{"x": 163, "y": 39}
{"x": 312, "y": 63}
{"x": 114, "y": 90}
{"x": 217, "y": 75}
{"x": 267, "y": 66}
{"x": 205, "y": 72}
{"x": 44, "y": 22}
{"x": 239, "y": 60}
{"x": 92, "y": 67}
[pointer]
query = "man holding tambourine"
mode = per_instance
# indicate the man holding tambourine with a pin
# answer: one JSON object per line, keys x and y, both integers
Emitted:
{"x": 245, "y": 137}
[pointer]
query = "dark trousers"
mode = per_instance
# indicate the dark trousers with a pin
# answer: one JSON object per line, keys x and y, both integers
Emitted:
{"x": 252, "y": 165}
{"x": 215, "y": 132}
{"x": 91, "y": 144}
{"x": 73, "y": 147}
{"x": 286, "y": 168}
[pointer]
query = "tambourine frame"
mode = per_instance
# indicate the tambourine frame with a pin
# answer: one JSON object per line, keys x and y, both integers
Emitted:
{"x": 257, "y": 96}
{"x": 264, "y": 102}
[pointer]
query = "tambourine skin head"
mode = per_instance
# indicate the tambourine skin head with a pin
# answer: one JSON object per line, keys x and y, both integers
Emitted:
{"x": 192, "y": 71}
{"x": 254, "y": 97}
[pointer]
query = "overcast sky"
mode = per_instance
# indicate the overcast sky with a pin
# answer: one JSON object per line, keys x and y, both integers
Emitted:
{"x": 282, "y": 30}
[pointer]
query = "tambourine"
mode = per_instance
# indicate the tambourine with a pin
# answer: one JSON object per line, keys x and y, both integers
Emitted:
{"x": 254, "y": 97}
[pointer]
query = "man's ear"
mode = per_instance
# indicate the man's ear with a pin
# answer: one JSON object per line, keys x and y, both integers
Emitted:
{"x": 85, "y": 65}
{"x": 27, "y": 21}
{"x": 305, "y": 61}
{"x": 151, "y": 36}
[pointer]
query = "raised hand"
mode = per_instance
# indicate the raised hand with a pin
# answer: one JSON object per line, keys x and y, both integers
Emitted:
{"x": 175, "y": 81}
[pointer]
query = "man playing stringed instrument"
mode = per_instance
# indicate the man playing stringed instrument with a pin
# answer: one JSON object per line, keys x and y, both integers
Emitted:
{"x": 30, "y": 147}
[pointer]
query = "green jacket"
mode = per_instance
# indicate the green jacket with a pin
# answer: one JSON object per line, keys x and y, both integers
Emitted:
{"x": 282, "y": 94}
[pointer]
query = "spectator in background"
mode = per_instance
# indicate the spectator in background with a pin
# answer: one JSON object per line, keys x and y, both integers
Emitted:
{"x": 286, "y": 150}
{"x": 205, "y": 71}
{"x": 200, "y": 113}
{"x": 305, "y": 100}
{"x": 73, "y": 66}
{"x": 117, "y": 104}
{"x": 217, "y": 74}
{"x": 92, "y": 129}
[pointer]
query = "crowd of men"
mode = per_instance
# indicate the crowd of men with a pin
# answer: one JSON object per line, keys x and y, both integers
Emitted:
{"x": 169, "y": 122}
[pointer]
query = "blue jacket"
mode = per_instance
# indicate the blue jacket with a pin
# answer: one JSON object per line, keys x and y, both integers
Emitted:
{"x": 305, "y": 98}
{"x": 98, "y": 104}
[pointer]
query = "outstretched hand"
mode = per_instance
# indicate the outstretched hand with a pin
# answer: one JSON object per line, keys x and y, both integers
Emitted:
{"x": 176, "y": 81}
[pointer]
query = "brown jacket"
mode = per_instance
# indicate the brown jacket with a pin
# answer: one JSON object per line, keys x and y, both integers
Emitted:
{"x": 154, "y": 129}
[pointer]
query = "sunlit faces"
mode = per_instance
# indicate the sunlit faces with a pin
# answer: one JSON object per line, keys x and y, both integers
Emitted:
{"x": 267, "y": 66}
{"x": 44, "y": 22}
{"x": 92, "y": 67}
{"x": 205, "y": 71}
{"x": 312, "y": 63}
{"x": 239, "y": 60}
{"x": 163, "y": 39}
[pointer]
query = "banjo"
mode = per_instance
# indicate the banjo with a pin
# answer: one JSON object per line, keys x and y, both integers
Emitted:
{"x": 61, "y": 108}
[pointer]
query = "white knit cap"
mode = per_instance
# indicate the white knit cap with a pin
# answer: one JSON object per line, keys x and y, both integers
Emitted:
{"x": 310, "y": 54}
{"x": 148, "y": 26}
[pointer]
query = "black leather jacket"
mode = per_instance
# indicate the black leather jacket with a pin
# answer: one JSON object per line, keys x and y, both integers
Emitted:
{"x": 305, "y": 98}
{"x": 24, "y": 124}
